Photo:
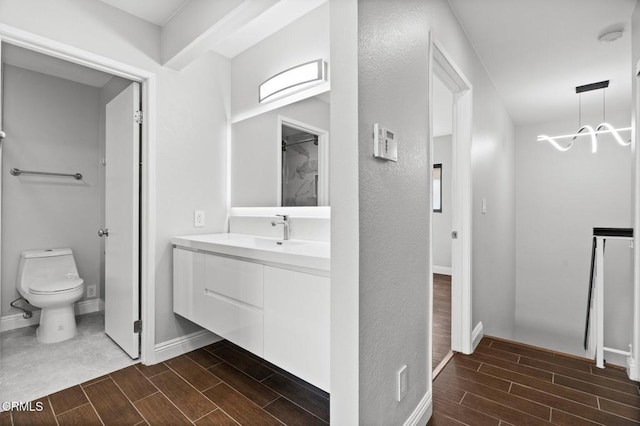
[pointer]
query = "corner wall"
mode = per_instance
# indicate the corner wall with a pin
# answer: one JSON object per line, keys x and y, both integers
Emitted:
{"x": 561, "y": 197}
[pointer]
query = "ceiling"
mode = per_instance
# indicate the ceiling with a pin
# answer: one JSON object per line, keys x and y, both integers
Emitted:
{"x": 537, "y": 52}
{"x": 158, "y": 12}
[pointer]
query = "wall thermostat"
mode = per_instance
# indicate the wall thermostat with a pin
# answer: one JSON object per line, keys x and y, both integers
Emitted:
{"x": 385, "y": 143}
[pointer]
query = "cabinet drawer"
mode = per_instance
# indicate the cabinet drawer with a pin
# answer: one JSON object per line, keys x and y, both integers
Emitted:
{"x": 240, "y": 324}
{"x": 235, "y": 279}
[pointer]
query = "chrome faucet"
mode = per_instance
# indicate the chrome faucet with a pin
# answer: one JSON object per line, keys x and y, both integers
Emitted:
{"x": 285, "y": 225}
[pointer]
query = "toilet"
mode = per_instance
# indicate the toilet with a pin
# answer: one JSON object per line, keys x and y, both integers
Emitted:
{"x": 49, "y": 279}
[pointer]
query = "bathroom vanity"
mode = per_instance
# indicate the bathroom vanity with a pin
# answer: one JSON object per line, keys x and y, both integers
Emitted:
{"x": 268, "y": 296}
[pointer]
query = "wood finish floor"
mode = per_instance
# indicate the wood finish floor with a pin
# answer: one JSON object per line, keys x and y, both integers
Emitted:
{"x": 441, "y": 318}
{"x": 221, "y": 384}
{"x": 508, "y": 383}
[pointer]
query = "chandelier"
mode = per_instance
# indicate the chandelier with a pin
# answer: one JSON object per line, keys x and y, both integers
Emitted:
{"x": 587, "y": 130}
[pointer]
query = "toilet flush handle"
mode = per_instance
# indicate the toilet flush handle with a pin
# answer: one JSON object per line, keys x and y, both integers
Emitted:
{"x": 103, "y": 232}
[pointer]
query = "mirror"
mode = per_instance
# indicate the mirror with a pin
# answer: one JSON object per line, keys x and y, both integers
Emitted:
{"x": 281, "y": 157}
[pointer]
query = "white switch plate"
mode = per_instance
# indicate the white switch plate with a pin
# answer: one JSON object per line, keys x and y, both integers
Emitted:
{"x": 91, "y": 291}
{"x": 402, "y": 384}
{"x": 484, "y": 206}
{"x": 198, "y": 218}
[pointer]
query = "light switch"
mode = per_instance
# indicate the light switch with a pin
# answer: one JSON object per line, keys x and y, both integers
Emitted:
{"x": 484, "y": 206}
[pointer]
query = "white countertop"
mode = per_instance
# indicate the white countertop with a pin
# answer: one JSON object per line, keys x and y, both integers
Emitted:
{"x": 297, "y": 253}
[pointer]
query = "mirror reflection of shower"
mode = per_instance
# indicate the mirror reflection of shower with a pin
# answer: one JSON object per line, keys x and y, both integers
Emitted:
{"x": 299, "y": 167}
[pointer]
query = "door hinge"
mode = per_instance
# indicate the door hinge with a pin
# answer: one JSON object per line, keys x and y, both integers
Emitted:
{"x": 138, "y": 116}
{"x": 137, "y": 326}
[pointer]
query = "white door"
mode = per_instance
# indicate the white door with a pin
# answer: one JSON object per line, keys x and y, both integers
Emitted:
{"x": 122, "y": 178}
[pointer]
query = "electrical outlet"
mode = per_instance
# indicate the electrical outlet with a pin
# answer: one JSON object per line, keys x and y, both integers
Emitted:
{"x": 91, "y": 291}
{"x": 198, "y": 218}
{"x": 402, "y": 384}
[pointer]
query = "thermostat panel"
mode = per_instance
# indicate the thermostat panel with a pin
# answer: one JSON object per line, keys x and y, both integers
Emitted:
{"x": 385, "y": 143}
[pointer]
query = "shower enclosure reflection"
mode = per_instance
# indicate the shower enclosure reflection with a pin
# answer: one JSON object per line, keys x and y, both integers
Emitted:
{"x": 299, "y": 167}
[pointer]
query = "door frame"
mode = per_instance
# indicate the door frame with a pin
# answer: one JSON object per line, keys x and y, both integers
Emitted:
{"x": 27, "y": 40}
{"x": 463, "y": 337}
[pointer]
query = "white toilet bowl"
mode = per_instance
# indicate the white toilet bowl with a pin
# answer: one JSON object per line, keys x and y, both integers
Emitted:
{"x": 49, "y": 279}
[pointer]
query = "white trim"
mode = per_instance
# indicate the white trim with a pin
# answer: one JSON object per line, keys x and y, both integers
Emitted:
{"x": 422, "y": 412}
{"x": 311, "y": 212}
{"x": 442, "y": 270}
{"x": 476, "y": 336}
{"x": 445, "y": 68}
{"x": 323, "y": 158}
{"x": 15, "y": 321}
{"x": 634, "y": 361}
{"x": 181, "y": 345}
{"x": 69, "y": 53}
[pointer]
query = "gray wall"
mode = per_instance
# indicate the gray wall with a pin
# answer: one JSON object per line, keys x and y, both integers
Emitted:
{"x": 394, "y": 208}
{"x": 52, "y": 125}
{"x": 255, "y": 149}
{"x": 442, "y": 152}
{"x": 394, "y": 217}
{"x": 561, "y": 197}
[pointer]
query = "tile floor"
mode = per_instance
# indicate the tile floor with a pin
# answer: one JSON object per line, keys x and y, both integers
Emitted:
{"x": 24, "y": 362}
{"x": 508, "y": 383}
{"x": 217, "y": 385}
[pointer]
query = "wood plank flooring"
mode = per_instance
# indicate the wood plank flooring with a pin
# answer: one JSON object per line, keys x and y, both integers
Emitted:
{"x": 508, "y": 383}
{"x": 441, "y": 318}
{"x": 221, "y": 384}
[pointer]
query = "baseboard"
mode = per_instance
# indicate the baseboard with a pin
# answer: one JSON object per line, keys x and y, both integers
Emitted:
{"x": 423, "y": 411}
{"x": 632, "y": 369}
{"x": 181, "y": 345}
{"x": 442, "y": 270}
{"x": 477, "y": 335}
{"x": 15, "y": 321}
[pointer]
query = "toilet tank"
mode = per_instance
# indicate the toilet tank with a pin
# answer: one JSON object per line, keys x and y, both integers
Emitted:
{"x": 48, "y": 265}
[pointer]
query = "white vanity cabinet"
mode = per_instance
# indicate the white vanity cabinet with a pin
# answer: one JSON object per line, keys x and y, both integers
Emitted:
{"x": 220, "y": 294}
{"x": 296, "y": 323}
{"x": 278, "y": 313}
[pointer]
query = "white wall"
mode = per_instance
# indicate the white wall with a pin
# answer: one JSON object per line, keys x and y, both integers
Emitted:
{"x": 255, "y": 149}
{"x": 442, "y": 152}
{"x": 561, "y": 197}
{"x": 492, "y": 158}
{"x": 51, "y": 125}
{"x": 303, "y": 40}
{"x": 193, "y": 107}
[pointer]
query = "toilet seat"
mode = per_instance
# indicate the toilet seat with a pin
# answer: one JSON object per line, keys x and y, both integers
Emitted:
{"x": 59, "y": 286}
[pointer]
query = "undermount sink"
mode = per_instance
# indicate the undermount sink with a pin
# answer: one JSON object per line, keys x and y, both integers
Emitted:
{"x": 300, "y": 253}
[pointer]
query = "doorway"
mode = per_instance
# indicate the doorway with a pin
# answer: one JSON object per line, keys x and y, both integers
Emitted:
{"x": 464, "y": 338}
{"x": 441, "y": 218}
{"x": 70, "y": 133}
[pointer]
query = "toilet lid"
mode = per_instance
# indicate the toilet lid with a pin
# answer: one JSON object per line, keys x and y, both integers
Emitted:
{"x": 46, "y": 287}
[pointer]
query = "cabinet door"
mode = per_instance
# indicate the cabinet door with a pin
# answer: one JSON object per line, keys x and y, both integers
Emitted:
{"x": 188, "y": 276}
{"x": 231, "y": 301}
{"x": 296, "y": 324}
